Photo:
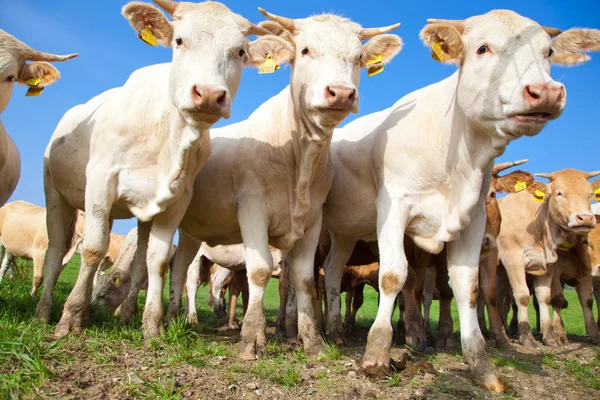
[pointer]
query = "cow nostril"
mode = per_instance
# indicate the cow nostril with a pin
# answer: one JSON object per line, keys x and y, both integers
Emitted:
{"x": 352, "y": 96}
{"x": 222, "y": 100}
{"x": 331, "y": 91}
{"x": 533, "y": 93}
{"x": 197, "y": 92}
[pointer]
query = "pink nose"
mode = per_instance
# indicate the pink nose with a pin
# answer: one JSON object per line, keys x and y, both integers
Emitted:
{"x": 341, "y": 97}
{"x": 543, "y": 97}
{"x": 210, "y": 100}
{"x": 585, "y": 219}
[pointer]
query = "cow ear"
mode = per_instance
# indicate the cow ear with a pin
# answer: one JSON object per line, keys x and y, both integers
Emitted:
{"x": 570, "y": 47}
{"x": 596, "y": 189}
{"x": 537, "y": 186}
{"x": 380, "y": 50}
{"x": 445, "y": 42}
{"x": 144, "y": 16}
{"x": 280, "y": 50}
{"x": 47, "y": 73}
{"x": 514, "y": 182}
{"x": 275, "y": 29}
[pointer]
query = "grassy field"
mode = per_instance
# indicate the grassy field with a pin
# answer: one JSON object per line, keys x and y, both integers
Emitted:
{"x": 109, "y": 361}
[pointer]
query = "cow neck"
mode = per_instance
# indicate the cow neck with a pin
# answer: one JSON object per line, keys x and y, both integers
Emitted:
{"x": 310, "y": 145}
{"x": 183, "y": 142}
{"x": 552, "y": 234}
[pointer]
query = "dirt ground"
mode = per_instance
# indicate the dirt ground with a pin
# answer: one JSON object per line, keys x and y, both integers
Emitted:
{"x": 528, "y": 374}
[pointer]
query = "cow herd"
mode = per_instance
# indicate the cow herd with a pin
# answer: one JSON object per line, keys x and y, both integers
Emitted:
{"x": 403, "y": 199}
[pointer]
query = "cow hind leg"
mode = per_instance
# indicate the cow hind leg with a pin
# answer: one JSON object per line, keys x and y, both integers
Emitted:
{"x": 416, "y": 335}
{"x": 139, "y": 274}
{"x": 596, "y": 289}
{"x": 38, "y": 270}
{"x": 179, "y": 272}
{"x": 445, "y": 336}
{"x": 192, "y": 288}
{"x": 357, "y": 299}
{"x": 59, "y": 219}
{"x": 283, "y": 294}
{"x": 584, "y": 292}
{"x": 4, "y": 260}
{"x": 487, "y": 294}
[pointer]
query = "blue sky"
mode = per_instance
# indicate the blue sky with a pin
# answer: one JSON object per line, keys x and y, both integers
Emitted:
{"x": 110, "y": 51}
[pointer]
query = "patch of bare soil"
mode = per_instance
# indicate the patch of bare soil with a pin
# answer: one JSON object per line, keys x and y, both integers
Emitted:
{"x": 124, "y": 371}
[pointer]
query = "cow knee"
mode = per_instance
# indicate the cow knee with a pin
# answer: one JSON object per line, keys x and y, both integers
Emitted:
{"x": 558, "y": 302}
{"x": 391, "y": 283}
{"x": 260, "y": 276}
{"x": 522, "y": 299}
{"x": 92, "y": 255}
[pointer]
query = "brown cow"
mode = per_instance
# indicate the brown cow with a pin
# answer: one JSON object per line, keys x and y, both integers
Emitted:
{"x": 23, "y": 234}
{"x": 535, "y": 223}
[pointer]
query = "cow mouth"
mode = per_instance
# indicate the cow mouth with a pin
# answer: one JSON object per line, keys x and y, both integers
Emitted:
{"x": 533, "y": 117}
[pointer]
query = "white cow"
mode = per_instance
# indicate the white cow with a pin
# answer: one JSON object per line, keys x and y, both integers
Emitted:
{"x": 14, "y": 67}
{"x": 268, "y": 176}
{"x": 423, "y": 166}
{"x": 140, "y": 146}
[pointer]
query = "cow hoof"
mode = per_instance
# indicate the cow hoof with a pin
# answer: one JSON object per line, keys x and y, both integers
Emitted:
{"x": 491, "y": 383}
{"x": 68, "y": 323}
{"x": 527, "y": 341}
{"x": 43, "y": 312}
{"x": 126, "y": 314}
{"x": 252, "y": 345}
{"x": 192, "y": 319}
{"x": 153, "y": 329}
{"x": 313, "y": 349}
{"x": 444, "y": 343}
{"x": 551, "y": 342}
{"x": 374, "y": 366}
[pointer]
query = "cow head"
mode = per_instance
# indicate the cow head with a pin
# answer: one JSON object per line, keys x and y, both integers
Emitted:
{"x": 14, "y": 67}
{"x": 210, "y": 47}
{"x": 504, "y": 58}
{"x": 110, "y": 289}
{"x": 509, "y": 183}
{"x": 328, "y": 56}
{"x": 569, "y": 196}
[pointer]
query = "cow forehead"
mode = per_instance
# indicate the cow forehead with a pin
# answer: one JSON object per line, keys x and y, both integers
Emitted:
{"x": 329, "y": 32}
{"x": 504, "y": 25}
{"x": 216, "y": 30}
{"x": 572, "y": 180}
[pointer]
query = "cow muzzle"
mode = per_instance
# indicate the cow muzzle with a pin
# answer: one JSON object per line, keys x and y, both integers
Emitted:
{"x": 584, "y": 221}
{"x": 342, "y": 98}
{"x": 544, "y": 102}
{"x": 212, "y": 101}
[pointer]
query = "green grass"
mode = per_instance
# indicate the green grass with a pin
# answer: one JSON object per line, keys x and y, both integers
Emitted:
{"x": 30, "y": 358}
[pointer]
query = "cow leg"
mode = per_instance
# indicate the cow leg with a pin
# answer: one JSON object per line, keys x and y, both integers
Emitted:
{"x": 557, "y": 303}
{"x": 192, "y": 281}
{"x": 400, "y": 325}
{"x": 584, "y": 292}
{"x": 416, "y": 335}
{"x": 503, "y": 294}
{"x": 516, "y": 275}
{"x": 96, "y": 240}
{"x": 427, "y": 298}
{"x": 283, "y": 294}
{"x": 59, "y": 218}
{"x": 4, "y": 259}
{"x": 235, "y": 288}
{"x": 536, "y": 308}
{"x": 339, "y": 254}
{"x": 38, "y": 271}
{"x": 179, "y": 271}
{"x": 291, "y": 312}
{"x": 259, "y": 264}
{"x": 302, "y": 258}
{"x": 463, "y": 265}
{"x": 487, "y": 291}
{"x": 445, "y": 337}
{"x": 356, "y": 302}
{"x": 139, "y": 274}
{"x": 596, "y": 287}
{"x": 543, "y": 292}
{"x": 393, "y": 271}
{"x": 163, "y": 229}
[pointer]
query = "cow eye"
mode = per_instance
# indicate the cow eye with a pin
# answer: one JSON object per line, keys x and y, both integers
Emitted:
{"x": 550, "y": 52}
{"x": 242, "y": 52}
{"x": 305, "y": 51}
{"x": 559, "y": 193}
{"x": 178, "y": 41}
{"x": 482, "y": 49}
{"x": 11, "y": 78}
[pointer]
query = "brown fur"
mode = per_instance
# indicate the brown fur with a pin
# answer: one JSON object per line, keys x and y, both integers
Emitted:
{"x": 390, "y": 283}
{"x": 260, "y": 277}
{"x": 449, "y": 39}
{"x": 43, "y": 70}
{"x": 143, "y": 15}
{"x": 569, "y": 46}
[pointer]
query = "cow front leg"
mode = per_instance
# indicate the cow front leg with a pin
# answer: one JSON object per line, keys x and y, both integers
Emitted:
{"x": 184, "y": 258}
{"x": 393, "y": 271}
{"x": 354, "y": 301}
{"x": 302, "y": 258}
{"x": 584, "y": 292}
{"x": 515, "y": 269}
{"x": 139, "y": 274}
{"x": 192, "y": 282}
{"x": 416, "y": 334}
{"x": 339, "y": 254}
{"x": 95, "y": 244}
{"x": 487, "y": 292}
{"x": 558, "y": 301}
{"x": 163, "y": 229}
{"x": 463, "y": 266}
{"x": 283, "y": 295}
{"x": 253, "y": 221}
{"x": 543, "y": 293}
{"x": 445, "y": 337}
{"x": 596, "y": 287}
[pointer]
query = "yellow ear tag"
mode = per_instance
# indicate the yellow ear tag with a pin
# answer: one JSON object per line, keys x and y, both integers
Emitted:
{"x": 148, "y": 37}
{"x": 117, "y": 280}
{"x": 539, "y": 196}
{"x": 520, "y": 186}
{"x": 565, "y": 245}
{"x": 34, "y": 91}
{"x": 269, "y": 66}
{"x": 375, "y": 65}
{"x": 437, "y": 51}
{"x": 597, "y": 193}
{"x": 33, "y": 81}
